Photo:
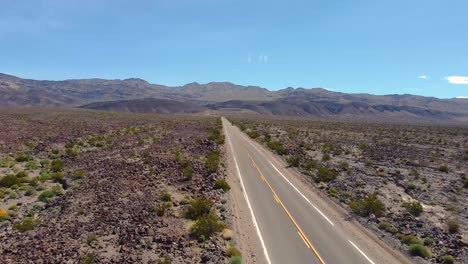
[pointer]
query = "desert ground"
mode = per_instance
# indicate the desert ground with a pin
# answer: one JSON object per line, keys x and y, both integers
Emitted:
{"x": 100, "y": 187}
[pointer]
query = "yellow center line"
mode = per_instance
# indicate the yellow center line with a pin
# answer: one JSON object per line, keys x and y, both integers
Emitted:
{"x": 299, "y": 230}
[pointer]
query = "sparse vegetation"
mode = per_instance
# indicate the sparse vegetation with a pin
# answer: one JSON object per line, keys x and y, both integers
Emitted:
{"x": 27, "y": 224}
{"x": 415, "y": 208}
{"x": 207, "y": 225}
{"x": 367, "y": 206}
{"x": 222, "y": 184}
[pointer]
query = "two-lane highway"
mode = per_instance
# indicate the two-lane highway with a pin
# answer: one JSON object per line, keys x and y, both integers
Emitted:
{"x": 290, "y": 228}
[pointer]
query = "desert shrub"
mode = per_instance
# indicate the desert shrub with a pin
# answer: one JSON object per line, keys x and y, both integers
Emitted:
{"x": 333, "y": 192}
{"x": 8, "y": 181}
{"x": 159, "y": 209}
{"x": 22, "y": 158}
{"x": 88, "y": 259}
{"x": 32, "y": 165}
{"x": 212, "y": 161}
{"x": 187, "y": 171}
{"x": 294, "y": 161}
{"x": 26, "y": 224}
{"x": 388, "y": 227}
{"x": 207, "y": 225}
{"x": 78, "y": 174}
{"x": 22, "y": 174}
{"x": 362, "y": 146}
{"x": 57, "y": 165}
{"x": 198, "y": 207}
{"x": 420, "y": 250}
{"x": 232, "y": 251}
{"x": 236, "y": 260}
{"x": 443, "y": 168}
{"x": 326, "y": 157}
{"x": 447, "y": 259}
{"x": 370, "y": 205}
{"x": 415, "y": 208}
{"x": 428, "y": 241}
{"x": 344, "y": 164}
{"x": 57, "y": 176}
{"x": 166, "y": 260}
{"x": 252, "y": 134}
{"x": 91, "y": 239}
{"x": 215, "y": 134}
{"x": 45, "y": 196}
{"x": 165, "y": 196}
{"x": 184, "y": 202}
{"x": 410, "y": 239}
{"x": 465, "y": 182}
{"x": 325, "y": 174}
{"x": 453, "y": 226}
{"x": 310, "y": 164}
{"x": 222, "y": 184}
{"x": 277, "y": 147}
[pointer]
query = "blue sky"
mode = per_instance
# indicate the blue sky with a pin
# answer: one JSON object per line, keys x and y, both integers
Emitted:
{"x": 379, "y": 47}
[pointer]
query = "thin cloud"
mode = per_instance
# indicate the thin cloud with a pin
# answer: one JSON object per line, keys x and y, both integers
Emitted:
{"x": 423, "y": 77}
{"x": 462, "y": 97}
{"x": 457, "y": 79}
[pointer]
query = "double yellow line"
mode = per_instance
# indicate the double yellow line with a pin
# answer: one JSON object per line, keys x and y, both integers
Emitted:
{"x": 278, "y": 200}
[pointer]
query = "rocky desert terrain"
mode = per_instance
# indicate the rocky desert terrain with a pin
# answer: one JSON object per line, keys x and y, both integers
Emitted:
{"x": 80, "y": 186}
{"x": 407, "y": 183}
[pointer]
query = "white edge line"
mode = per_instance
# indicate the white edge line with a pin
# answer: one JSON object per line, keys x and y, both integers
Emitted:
{"x": 360, "y": 251}
{"x": 248, "y": 203}
{"x": 303, "y": 196}
{"x": 295, "y": 188}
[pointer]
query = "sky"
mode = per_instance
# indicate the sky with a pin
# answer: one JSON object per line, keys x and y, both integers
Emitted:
{"x": 361, "y": 46}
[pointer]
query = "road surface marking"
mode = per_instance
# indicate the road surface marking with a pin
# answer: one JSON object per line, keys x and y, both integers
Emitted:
{"x": 303, "y": 239}
{"x": 301, "y": 233}
{"x": 303, "y": 196}
{"x": 290, "y": 183}
{"x": 265, "y": 251}
{"x": 360, "y": 251}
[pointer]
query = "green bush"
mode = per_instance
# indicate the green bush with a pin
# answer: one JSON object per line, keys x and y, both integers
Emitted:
{"x": 453, "y": 226}
{"x": 370, "y": 205}
{"x": 326, "y": 157}
{"x": 165, "y": 196}
{"x": 22, "y": 174}
{"x": 333, "y": 192}
{"x": 310, "y": 164}
{"x": 447, "y": 259}
{"x": 57, "y": 165}
{"x": 222, "y": 184}
{"x": 278, "y": 147}
{"x": 420, "y": 250}
{"x": 444, "y": 168}
{"x": 325, "y": 174}
{"x": 187, "y": 171}
{"x": 57, "y": 176}
{"x": 253, "y": 134}
{"x": 388, "y": 227}
{"x": 207, "y": 225}
{"x": 294, "y": 161}
{"x": 428, "y": 241}
{"x": 410, "y": 239}
{"x": 415, "y": 208}
{"x": 26, "y": 224}
{"x": 8, "y": 181}
{"x": 45, "y": 196}
{"x": 236, "y": 260}
{"x": 212, "y": 161}
{"x": 78, "y": 174}
{"x": 232, "y": 251}
{"x": 22, "y": 158}
{"x": 198, "y": 208}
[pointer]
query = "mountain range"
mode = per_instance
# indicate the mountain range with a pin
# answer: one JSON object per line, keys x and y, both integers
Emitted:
{"x": 137, "y": 95}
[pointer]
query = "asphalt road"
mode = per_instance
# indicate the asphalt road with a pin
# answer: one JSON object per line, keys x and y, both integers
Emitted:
{"x": 290, "y": 228}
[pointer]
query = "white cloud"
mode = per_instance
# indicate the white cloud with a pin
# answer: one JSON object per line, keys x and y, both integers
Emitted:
{"x": 423, "y": 77}
{"x": 457, "y": 79}
{"x": 462, "y": 97}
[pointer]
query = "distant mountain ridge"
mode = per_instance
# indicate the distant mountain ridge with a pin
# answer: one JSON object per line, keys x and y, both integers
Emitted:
{"x": 134, "y": 95}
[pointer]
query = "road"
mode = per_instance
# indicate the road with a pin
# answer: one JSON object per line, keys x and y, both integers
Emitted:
{"x": 290, "y": 225}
